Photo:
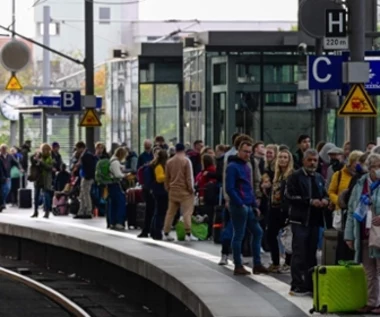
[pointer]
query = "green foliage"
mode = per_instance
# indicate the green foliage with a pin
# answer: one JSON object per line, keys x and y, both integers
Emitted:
{"x": 294, "y": 28}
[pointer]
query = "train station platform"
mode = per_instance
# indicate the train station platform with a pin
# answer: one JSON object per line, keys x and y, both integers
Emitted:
{"x": 186, "y": 270}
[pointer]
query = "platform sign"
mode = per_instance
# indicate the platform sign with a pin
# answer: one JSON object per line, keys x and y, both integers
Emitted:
{"x": 90, "y": 119}
{"x": 357, "y": 103}
{"x": 71, "y": 101}
{"x": 13, "y": 84}
{"x": 336, "y": 30}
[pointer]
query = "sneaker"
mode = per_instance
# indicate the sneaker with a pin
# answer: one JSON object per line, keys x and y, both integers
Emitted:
{"x": 190, "y": 237}
{"x": 167, "y": 237}
{"x": 240, "y": 270}
{"x": 224, "y": 260}
{"x": 274, "y": 268}
{"x": 119, "y": 227}
{"x": 259, "y": 269}
{"x": 365, "y": 310}
{"x": 298, "y": 292}
{"x": 285, "y": 268}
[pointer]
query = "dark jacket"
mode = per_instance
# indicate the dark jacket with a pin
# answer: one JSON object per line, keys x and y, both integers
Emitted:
{"x": 300, "y": 190}
{"x": 57, "y": 160}
{"x": 88, "y": 164}
{"x": 7, "y": 163}
{"x": 195, "y": 159}
{"x": 298, "y": 158}
{"x": 144, "y": 158}
{"x": 353, "y": 182}
{"x": 131, "y": 163}
{"x": 60, "y": 181}
{"x": 239, "y": 183}
{"x": 25, "y": 150}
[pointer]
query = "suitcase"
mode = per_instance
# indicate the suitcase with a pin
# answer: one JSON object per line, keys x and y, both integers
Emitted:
{"x": 24, "y": 198}
{"x": 217, "y": 226}
{"x": 330, "y": 243}
{"x": 338, "y": 289}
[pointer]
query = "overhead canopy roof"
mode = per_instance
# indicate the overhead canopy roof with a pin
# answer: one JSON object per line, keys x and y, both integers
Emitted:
{"x": 258, "y": 39}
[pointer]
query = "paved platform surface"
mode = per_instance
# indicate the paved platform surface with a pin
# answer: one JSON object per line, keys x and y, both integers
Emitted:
{"x": 95, "y": 300}
{"x": 270, "y": 290}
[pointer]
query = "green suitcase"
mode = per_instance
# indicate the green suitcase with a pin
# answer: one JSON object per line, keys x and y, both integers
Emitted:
{"x": 339, "y": 289}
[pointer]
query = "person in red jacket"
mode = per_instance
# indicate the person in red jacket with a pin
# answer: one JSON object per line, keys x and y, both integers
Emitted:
{"x": 207, "y": 174}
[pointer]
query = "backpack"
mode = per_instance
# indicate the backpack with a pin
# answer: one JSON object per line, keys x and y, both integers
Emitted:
{"x": 102, "y": 172}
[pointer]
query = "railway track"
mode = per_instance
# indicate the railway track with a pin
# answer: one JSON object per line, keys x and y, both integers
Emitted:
{"x": 66, "y": 304}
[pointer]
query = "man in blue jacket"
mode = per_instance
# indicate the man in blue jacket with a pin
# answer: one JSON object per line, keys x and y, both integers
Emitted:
{"x": 243, "y": 208}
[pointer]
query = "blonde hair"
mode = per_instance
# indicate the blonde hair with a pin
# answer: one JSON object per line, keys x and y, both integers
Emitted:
{"x": 274, "y": 148}
{"x": 353, "y": 157}
{"x": 45, "y": 147}
{"x": 289, "y": 168}
{"x": 120, "y": 153}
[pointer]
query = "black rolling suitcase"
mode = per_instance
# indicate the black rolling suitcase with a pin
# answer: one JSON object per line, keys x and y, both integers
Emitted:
{"x": 24, "y": 196}
{"x": 218, "y": 220}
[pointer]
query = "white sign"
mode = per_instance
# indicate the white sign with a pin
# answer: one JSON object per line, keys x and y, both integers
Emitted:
{"x": 335, "y": 43}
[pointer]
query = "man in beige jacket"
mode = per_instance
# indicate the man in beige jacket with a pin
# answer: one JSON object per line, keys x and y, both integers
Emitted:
{"x": 179, "y": 183}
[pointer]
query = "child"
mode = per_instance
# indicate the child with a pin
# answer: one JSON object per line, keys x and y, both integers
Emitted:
{"x": 62, "y": 179}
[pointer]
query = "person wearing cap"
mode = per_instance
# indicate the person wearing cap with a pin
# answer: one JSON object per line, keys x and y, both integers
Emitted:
{"x": 179, "y": 183}
{"x": 336, "y": 155}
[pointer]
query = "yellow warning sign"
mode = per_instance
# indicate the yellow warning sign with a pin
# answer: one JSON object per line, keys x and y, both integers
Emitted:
{"x": 13, "y": 84}
{"x": 358, "y": 103}
{"x": 90, "y": 119}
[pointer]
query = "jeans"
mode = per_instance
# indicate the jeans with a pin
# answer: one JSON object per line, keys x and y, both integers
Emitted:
{"x": 320, "y": 238}
{"x": 116, "y": 205}
{"x": 47, "y": 197}
{"x": 304, "y": 245}
{"x": 6, "y": 189}
{"x": 243, "y": 218}
{"x": 227, "y": 233}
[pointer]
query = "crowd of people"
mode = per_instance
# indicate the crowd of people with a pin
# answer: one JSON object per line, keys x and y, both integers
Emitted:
{"x": 277, "y": 201}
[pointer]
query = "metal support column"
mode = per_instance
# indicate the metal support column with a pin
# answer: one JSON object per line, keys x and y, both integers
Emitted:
{"x": 13, "y": 130}
{"x": 357, "y": 49}
{"x": 320, "y": 119}
{"x": 89, "y": 63}
{"x": 262, "y": 95}
{"x": 46, "y": 53}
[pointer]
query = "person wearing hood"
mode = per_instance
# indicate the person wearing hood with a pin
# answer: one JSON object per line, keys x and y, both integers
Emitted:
{"x": 336, "y": 155}
{"x": 324, "y": 159}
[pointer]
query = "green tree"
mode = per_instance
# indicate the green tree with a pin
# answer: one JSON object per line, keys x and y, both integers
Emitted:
{"x": 294, "y": 28}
